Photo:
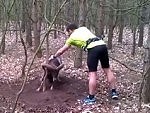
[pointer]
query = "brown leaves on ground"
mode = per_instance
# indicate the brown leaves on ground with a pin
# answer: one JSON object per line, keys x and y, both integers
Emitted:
{"x": 128, "y": 81}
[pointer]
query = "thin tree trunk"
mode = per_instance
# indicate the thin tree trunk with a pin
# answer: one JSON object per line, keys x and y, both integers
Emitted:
{"x": 28, "y": 24}
{"x": 146, "y": 88}
{"x": 121, "y": 27}
{"x": 134, "y": 41}
{"x": 56, "y": 23}
{"x": 141, "y": 26}
{"x": 37, "y": 27}
{"x": 23, "y": 19}
{"x": 78, "y": 54}
{"x": 100, "y": 19}
{"x": 2, "y": 45}
{"x": 141, "y": 32}
{"x": 110, "y": 27}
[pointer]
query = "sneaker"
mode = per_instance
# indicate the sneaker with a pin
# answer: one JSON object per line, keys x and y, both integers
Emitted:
{"x": 87, "y": 100}
{"x": 114, "y": 95}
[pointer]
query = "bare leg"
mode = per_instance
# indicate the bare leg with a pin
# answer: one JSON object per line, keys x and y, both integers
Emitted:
{"x": 92, "y": 83}
{"x": 110, "y": 78}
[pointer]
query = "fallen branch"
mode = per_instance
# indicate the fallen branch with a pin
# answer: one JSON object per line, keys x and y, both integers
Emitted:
{"x": 130, "y": 68}
{"x": 25, "y": 79}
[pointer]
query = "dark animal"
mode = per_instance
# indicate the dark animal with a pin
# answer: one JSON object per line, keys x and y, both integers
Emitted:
{"x": 51, "y": 73}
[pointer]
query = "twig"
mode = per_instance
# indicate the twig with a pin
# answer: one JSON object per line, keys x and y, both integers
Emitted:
{"x": 45, "y": 13}
{"x": 52, "y": 29}
{"x": 25, "y": 79}
{"x": 25, "y": 53}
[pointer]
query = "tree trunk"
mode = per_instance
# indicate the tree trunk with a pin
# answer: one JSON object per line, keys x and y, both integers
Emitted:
{"x": 141, "y": 26}
{"x": 82, "y": 18}
{"x": 37, "y": 26}
{"x": 2, "y": 46}
{"x": 23, "y": 19}
{"x": 28, "y": 24}
{"x": 141, "y": 31}
{"x": 56, "y": 22}
{"x": 55, "y": 32}
{"x": 100, "y": 19}
{"x": 134, "y": 41}
{"x": 121, "y": 27}
{"x": 146, "y": 88}
{"x": 110, "y": 27}
{"x": 4, "y": 30}
{"x": 28, "y": 34}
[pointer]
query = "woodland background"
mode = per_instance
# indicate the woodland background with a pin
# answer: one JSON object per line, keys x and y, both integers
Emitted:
{"x": 32, "y": 30}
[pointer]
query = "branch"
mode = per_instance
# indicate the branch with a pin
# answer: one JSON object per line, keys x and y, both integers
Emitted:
{"x": 130, "y": 68}
{"x": 8, "y": 12}
{"x": 25, "y": 53}
{"x": 147, "y": 2}
{"x": 45, "y": 14}
{"x": 25, "y": 79}
{"x": 52, "y": 29}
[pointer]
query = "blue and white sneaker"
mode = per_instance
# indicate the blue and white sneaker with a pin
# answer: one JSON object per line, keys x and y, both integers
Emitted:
{"x": 114, "y": 95}
{"x": 87, "y": 100}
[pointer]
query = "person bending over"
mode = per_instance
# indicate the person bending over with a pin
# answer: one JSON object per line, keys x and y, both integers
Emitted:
{"x": 96, "y": 51}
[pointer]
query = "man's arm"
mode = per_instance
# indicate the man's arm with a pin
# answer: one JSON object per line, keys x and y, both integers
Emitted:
{"x": 62, "y": 50}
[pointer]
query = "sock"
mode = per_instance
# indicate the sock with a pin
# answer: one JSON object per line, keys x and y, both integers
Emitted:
{"x": 91, "y": 96}
{"x": 113, "y": 90}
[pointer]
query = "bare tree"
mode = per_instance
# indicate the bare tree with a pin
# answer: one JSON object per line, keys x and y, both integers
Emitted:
{"x": 28, "y": 29}
{"x": 82, "y": 18}
{"x": 100, "y": 18}
{"x": 146, "y": 87}
{"x": 110, "y": 26}
{"x": 37, "y": 18}
{"x": 142, "y": 23}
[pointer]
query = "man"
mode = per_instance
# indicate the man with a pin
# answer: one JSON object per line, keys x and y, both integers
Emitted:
{"x": 97, "y": 50}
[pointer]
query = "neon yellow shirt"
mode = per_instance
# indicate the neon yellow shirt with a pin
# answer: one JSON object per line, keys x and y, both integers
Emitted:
{"x": 80, "y": 36}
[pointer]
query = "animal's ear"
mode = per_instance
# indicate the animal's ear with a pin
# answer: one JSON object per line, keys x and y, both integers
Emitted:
{"x": 59, "y": 60}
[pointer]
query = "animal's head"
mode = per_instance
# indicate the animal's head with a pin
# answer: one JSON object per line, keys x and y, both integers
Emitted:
{"x": 54, "y": 61}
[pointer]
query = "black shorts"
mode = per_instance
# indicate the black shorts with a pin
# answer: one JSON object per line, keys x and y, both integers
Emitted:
{"x": 95, "y": 54}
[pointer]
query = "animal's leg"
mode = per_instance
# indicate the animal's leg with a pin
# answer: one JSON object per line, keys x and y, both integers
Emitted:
{"x": 39, "y": 88}
{"x": 44, "y": 81}
{"x": 60, "y": 67}
{"x": 55, "y": 75}
{"x": 58, "y": 78}
{"x": 52, "y": 86}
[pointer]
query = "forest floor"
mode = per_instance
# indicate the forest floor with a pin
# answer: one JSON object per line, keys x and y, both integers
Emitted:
{"x": 67, "y": 95}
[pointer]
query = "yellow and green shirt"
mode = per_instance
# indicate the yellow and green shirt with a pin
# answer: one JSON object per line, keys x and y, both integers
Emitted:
{"x": 80, "y": 36}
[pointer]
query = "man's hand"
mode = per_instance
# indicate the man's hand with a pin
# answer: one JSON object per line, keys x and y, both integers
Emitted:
{"x": 51, "y": 57}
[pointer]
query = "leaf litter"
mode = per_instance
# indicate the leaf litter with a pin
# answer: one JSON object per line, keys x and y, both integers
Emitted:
{"x": 128, "y": 81}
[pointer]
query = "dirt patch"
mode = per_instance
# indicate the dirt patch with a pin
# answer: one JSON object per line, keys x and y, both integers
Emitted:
{"x": 66, "y": 93}
{"x": 67, "y": 90}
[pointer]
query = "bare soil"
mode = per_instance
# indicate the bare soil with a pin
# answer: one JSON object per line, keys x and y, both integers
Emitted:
{"x": 64, "y": 95}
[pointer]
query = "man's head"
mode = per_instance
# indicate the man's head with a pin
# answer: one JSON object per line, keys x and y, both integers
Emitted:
{"x": 70, "y": 28}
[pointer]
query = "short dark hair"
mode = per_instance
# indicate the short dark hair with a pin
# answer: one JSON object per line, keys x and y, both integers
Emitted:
{"x": 71, "y": 27}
